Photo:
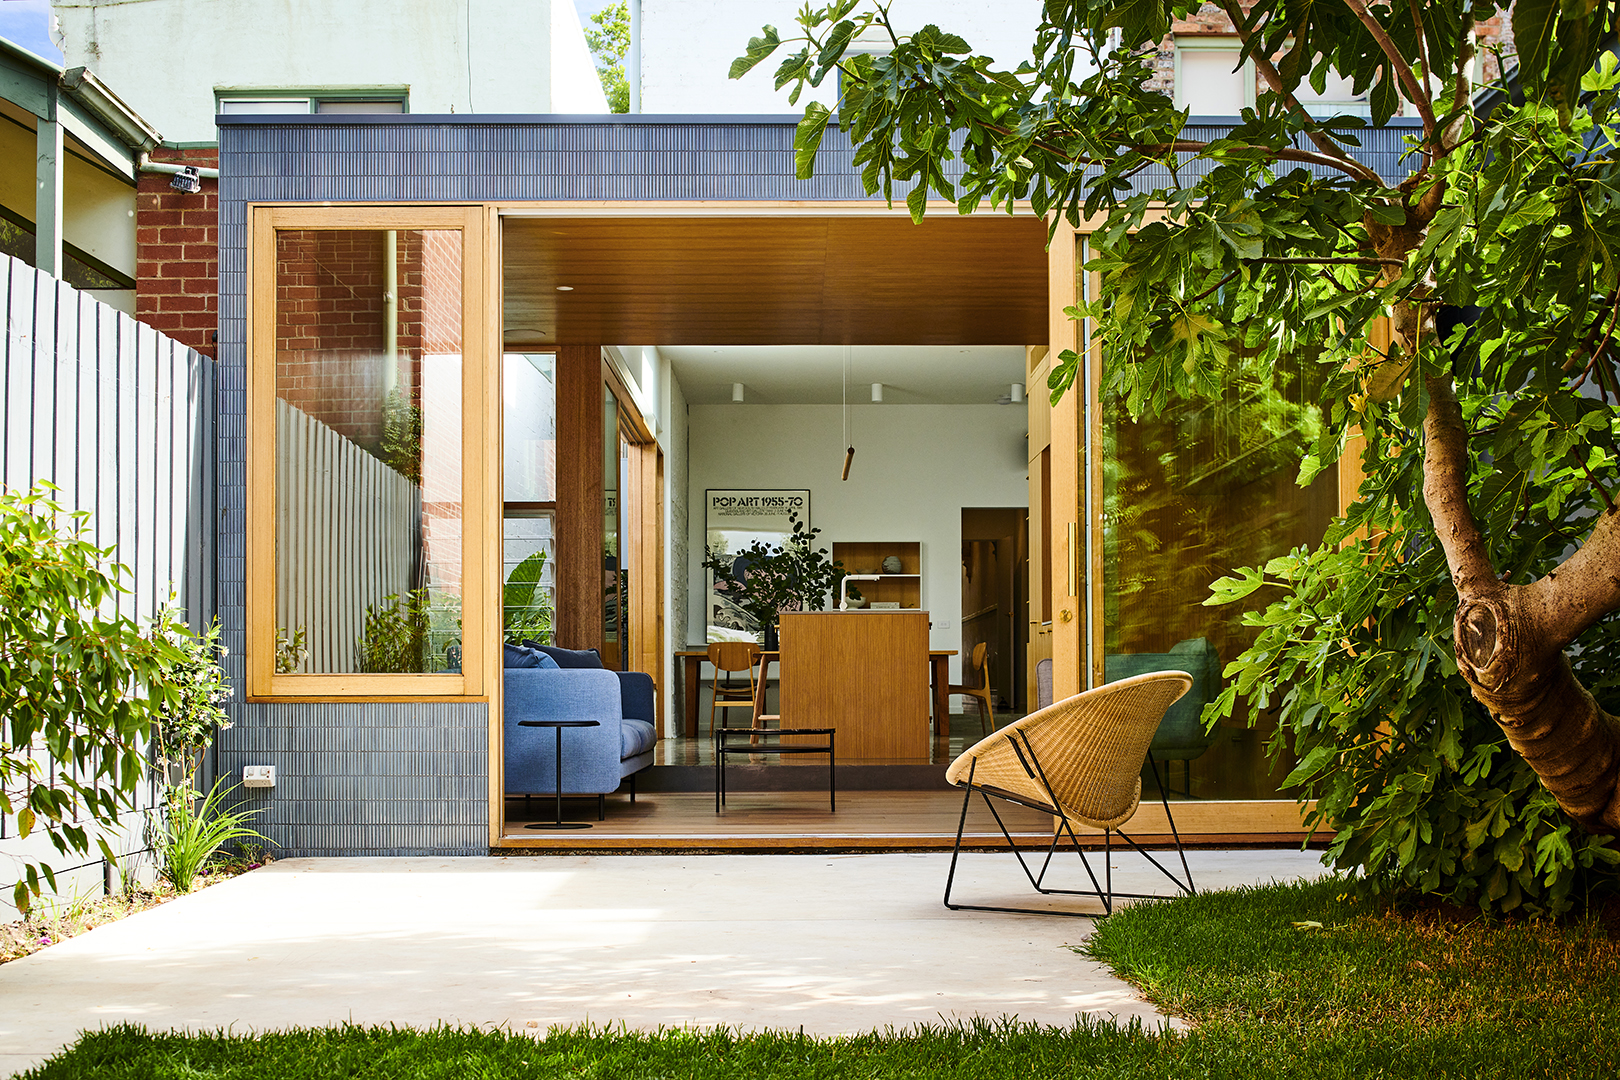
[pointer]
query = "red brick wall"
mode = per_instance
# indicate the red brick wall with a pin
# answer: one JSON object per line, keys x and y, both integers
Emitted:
{"x": 177, "y": 253}
{"x": 329, "y": 321}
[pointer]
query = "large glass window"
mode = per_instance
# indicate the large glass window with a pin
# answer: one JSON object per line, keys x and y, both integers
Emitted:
{"x": 1187, "y": 497}
{"x": 529, "y": 546}
{"x": 366, "y": 383}
{"x": 615, "y": 535}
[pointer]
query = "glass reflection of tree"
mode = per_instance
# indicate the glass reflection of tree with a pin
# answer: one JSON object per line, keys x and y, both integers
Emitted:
{"x": 1206, "y": 487}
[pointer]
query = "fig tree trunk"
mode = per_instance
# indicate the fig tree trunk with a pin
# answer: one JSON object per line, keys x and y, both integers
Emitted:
{"x": 1511, "y": 639}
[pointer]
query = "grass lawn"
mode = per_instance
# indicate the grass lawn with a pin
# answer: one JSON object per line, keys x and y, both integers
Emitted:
{"x": 1358, "y": 992}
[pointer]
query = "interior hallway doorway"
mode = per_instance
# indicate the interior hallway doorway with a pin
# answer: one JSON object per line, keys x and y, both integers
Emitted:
{"x": 995, "y": 602}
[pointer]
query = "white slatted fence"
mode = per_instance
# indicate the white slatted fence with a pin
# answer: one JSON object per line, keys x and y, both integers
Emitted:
{"x": 348, "y": 529}
{"x": 121, "y": 419}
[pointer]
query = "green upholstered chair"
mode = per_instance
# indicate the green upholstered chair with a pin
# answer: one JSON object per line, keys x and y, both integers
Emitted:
{"x": 1181, "y": 735}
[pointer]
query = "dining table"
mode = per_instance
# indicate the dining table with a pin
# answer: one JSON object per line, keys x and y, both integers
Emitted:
{"x": 691, "y": 666}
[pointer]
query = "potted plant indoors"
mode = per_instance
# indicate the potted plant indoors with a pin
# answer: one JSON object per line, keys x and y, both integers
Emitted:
{"x": 766, "y": 580}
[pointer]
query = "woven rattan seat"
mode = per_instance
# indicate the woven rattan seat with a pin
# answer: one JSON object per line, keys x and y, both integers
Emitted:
{"x": 1081, "y": 760}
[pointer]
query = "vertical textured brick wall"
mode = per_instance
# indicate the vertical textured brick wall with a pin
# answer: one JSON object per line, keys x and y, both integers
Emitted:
{"x": 177, "y": 253}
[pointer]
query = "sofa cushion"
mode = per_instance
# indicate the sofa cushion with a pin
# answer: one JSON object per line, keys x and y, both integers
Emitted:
{"x": 569, "y": 658}
{"x": 635, "y": 737}
{"x": 637, "y": 697}
{"x": 546, "y": 663}
{"x": 516, "y": 656}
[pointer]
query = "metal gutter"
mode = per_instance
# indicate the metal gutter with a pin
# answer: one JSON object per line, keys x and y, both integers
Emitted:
{"x": 81, "y": 84}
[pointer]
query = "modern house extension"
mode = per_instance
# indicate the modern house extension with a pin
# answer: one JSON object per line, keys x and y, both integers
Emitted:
{"x": 449, "y": 343}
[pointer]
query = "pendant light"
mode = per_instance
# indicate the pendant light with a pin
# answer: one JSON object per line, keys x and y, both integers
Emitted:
{"x": 849, "y": 445}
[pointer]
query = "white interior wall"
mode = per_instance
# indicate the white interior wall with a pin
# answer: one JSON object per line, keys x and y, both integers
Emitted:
{"x": 915, "y": 467}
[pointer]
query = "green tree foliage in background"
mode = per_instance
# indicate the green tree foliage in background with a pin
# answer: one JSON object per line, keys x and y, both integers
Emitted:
{"x": 609, "y": 42}
{"x": 401, "y": 446}
{"x": 80, "y": 685}
{"x": 1443, "y": 660}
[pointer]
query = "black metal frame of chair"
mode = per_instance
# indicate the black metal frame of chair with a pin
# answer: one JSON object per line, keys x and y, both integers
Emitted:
{"x": 1105, "y": 892}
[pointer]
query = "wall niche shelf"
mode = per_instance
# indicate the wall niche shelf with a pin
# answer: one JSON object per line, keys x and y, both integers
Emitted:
{"x": 866, "y": 557}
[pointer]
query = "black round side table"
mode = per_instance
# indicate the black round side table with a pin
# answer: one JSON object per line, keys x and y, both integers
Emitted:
{"x": 559, "y": 725}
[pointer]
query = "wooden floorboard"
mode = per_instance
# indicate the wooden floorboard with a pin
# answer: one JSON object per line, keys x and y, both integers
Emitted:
{"x": 800, "y": 821}
{"x": 869, "y": 818}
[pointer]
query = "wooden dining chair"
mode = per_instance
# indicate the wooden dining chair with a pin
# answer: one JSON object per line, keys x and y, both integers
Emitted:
{"x": 762, "y": 718}
{"x": 729, "y": 658}
{"x": 978, "y": 673}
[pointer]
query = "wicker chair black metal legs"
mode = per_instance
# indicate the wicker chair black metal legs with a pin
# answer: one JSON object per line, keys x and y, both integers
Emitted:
{"x": 1104, "y": 731}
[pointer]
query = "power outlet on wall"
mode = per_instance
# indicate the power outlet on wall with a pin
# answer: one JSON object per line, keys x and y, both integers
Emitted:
{"x": 258, "y": 776}
{"x": 943, "y": 624}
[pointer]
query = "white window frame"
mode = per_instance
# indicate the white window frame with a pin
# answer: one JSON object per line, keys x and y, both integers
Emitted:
{"x": 1211, "y": 43}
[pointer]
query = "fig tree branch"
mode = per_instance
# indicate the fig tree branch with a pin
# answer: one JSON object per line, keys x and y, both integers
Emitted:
{"x": 1273, "y": 78}
{"x": 1445, "y": 490}
{"x": 1398, "y": 64}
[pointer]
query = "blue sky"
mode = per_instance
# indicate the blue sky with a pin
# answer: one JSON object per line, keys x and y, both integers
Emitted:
{"x": 25, "y": 23}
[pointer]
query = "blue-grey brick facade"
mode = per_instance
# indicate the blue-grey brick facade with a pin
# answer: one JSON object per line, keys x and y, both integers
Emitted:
{"x": 372, "y": 778}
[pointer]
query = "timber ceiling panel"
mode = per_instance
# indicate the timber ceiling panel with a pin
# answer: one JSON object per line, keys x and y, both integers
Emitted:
{"x": 783, "y": 280}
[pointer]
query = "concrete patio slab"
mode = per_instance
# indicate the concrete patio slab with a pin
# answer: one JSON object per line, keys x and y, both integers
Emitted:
{"x": 832, "y": 944}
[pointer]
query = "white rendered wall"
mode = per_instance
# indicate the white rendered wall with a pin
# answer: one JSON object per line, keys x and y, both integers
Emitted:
{"x": 916, "y": 467}
{"x": 687, "y": 47}
{"x": 166, "y": 58}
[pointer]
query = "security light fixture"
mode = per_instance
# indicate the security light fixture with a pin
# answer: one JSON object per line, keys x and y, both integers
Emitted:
{"x": 187, "y": 181}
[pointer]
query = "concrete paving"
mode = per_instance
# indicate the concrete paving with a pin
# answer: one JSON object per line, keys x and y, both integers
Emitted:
{"x": 832, "y": 944}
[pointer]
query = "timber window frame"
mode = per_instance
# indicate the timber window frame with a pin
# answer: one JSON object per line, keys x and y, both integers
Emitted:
{"x": 480, "y": 479}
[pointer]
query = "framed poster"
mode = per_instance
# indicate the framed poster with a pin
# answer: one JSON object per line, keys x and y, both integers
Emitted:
{"x": 735, "y": 518}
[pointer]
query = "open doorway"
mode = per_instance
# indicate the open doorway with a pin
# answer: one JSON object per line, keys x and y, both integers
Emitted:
{"x": 995, "y": 600}
{"x": 762, "y": 388}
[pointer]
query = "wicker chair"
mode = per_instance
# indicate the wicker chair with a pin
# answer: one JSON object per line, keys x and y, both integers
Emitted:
{"x": 1079, "y": 760}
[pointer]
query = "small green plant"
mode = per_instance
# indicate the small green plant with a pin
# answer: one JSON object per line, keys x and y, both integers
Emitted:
{"x": 766, "y": 580}
{"x": 291, "y": 652}
{"x": 196, "y": 713}
{"x": 83, "y": 685}
{"x": 193, "y": 831}
{"x": 394, "y": 637}
{"x": 526, "y": 606}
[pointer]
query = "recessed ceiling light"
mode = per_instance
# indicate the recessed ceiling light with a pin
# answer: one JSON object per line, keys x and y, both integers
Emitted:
{"x": 565, "y": 288}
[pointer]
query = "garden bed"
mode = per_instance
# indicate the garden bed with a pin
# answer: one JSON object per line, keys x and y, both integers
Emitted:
{"x": 54, "y": 920}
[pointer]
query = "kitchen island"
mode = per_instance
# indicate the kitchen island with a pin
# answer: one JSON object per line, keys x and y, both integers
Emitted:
{"x": 865, "y": 673}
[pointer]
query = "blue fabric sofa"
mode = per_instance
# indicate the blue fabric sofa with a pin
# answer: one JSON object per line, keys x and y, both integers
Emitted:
{"x": 594, "y": 760}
